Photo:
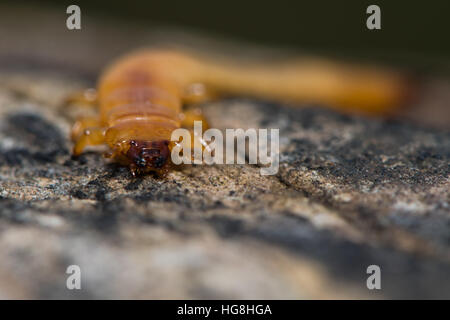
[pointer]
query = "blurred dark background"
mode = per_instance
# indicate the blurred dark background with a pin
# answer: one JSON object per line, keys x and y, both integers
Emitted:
{"x": 411, "y": 30}
{"x": 414, "y": 36}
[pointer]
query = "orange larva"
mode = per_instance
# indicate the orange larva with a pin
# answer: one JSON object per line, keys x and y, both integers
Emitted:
{"x": 140, "y": 97}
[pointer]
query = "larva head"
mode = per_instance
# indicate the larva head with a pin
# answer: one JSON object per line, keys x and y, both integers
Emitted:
{"x": 146, "y": 156}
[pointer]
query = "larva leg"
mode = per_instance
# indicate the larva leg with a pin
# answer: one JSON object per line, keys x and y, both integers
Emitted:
{"x": 197, "y": 144}
{"x": 89, "y": 137}
{"x": 197, "y": 93}
{"x": 82, "y": 124}
{"x": 201, "y": 142}
{"x": 189, "y": 116}
{"x": 87, "y": 97}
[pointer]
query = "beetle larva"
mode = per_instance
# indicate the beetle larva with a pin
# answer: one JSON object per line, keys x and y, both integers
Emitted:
{"x": 140, "y": 97}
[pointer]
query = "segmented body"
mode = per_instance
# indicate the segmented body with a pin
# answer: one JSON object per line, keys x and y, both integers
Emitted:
{"x": 140, "y": 97}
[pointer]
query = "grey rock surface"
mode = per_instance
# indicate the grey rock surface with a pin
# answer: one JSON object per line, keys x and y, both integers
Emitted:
{"x": 351, "y": 192}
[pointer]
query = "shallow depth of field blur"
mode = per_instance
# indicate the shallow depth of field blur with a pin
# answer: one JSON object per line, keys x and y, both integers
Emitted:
{"x": 412, "y": 37}
{"x": 351, "y": 191}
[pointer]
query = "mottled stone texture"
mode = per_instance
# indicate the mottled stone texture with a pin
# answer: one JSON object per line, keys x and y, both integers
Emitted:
{"x": 351, "y": 192}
